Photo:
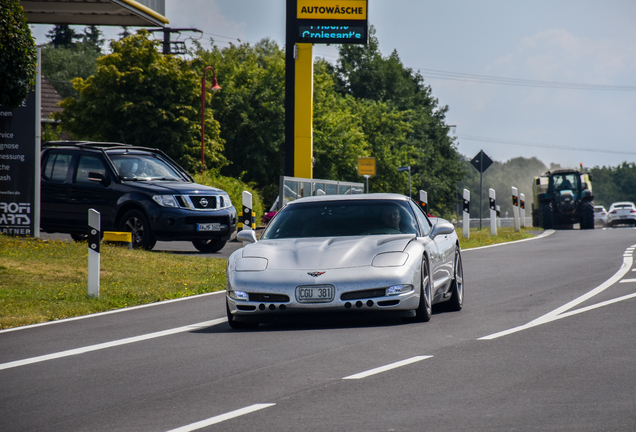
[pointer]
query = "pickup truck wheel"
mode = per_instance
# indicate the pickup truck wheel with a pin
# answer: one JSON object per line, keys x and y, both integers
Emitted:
{"x": 209, "y": 246}
{"x": 136, "y": 223}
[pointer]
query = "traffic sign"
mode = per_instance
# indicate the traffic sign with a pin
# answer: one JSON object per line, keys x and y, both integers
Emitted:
{"x": 481, "y": 162}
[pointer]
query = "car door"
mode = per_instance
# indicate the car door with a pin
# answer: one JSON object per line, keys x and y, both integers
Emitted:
{"x": 54, "y": 189}
{"x": 87, "y": 193}
{"x": 441, "y": 250}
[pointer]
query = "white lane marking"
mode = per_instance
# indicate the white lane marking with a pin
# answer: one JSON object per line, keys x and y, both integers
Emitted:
{"x": 628, "y": 280}
{"x": 561, "y": 312}
{"x": 387, "y": 367}
{"x": 222, "y": 417}
{"x": 95, "y": 315}
{"x": 111, "y": 344}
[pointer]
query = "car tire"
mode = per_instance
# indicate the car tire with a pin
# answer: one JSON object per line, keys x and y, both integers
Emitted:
{"x": 135, "y": 222}
{"x": 209, "y": 246}
{"x": 456, "y": 301}
{"x": 238, "y": 325}
{"x": 425, "y": 309}
{"x": 79, "y": 237}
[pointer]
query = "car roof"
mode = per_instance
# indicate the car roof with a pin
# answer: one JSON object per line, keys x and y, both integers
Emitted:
{"x": 110, "y": 147}
{"x": 352, "y": 197}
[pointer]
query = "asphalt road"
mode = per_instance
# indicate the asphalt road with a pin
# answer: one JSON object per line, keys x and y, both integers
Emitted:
{"x": 545, "y": 342}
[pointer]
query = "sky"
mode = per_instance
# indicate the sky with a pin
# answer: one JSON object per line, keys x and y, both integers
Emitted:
{"x": 555, "y": 80}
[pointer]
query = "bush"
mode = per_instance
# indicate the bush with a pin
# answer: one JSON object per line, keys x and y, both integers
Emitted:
{"x": 234, "y": 188}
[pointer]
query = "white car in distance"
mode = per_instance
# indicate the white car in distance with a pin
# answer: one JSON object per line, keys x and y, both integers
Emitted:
{"x": 622, "y": 213}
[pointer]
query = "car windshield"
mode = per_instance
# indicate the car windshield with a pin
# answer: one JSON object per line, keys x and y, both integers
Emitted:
{"x": 143, "y": 167}
{"x": 342, "y": 218}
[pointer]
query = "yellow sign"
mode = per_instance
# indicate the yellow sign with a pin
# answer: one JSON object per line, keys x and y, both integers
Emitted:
{"x": 366, "y": 166}
{"x": 332, "y": 9}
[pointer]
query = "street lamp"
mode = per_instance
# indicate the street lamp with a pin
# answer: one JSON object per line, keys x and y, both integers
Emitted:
{"x": 215, "y": 88}
{"x": 407, "y": 168}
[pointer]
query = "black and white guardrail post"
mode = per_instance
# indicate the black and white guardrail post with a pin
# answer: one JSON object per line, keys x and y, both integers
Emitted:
{"x": 94, "y": 238}
{"x": 493, "y": 211}
{"x": 248, "y": 216}
{"x": 515, "y": 208}
{"x": 522, "y": 210}
{"x": 466, "y": 215}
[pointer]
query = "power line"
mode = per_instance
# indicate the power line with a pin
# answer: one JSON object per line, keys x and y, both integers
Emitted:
{"x": 527, "y": 144}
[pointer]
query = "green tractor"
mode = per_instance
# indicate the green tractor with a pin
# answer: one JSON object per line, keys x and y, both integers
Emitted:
{"x": 561, "y": 198}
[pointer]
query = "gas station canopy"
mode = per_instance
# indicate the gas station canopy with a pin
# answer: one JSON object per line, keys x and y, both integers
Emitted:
{"x": 96, "y": 12}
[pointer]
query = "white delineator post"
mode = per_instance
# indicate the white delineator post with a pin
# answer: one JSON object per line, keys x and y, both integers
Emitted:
{"x": 522, "y": 210}
{"x": 94, "y": 238}
{"x": 493, "y": 212}
{"x": 424, "y": 201}
{"x": 247, "y": 219}
{"x": 515, "y": 208}
{"x": 466, "y": 214}
{"x": 498, "y": 217}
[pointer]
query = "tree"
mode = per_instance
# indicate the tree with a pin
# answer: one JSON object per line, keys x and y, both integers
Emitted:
{"x": 142, "y": 97}
{"x": 61, "y": 65}
{"x": 62, "y": 35}
{"x": 18, "y": 56}
{"x": 251, "y": 109}
{"x": 421, "y": 137}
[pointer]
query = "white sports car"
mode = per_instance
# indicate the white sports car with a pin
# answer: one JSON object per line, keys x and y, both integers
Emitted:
{"x": 345, "y": 254}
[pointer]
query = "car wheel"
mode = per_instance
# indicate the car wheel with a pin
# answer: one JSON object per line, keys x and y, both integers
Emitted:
{"x": 238, "y": 325}
{"x": 209, "y": 246}
{"x": 136, "y": 223}
{"x": 79, "y": 237}
{"x": 425, "y": 309}
{"x": 457, "y": 285}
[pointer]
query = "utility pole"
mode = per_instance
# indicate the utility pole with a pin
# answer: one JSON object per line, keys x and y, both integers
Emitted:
{"x": 168, "y": 45}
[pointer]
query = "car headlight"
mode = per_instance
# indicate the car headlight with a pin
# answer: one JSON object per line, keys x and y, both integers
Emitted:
{"x": 239, "y": 295}
{"x": 398, "y": 289}
{"x": 166, "y": 200}
{"x": 390, "y": 259}
{"x": 224, "y": 201}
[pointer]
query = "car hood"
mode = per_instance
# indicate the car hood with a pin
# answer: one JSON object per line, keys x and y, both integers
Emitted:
{"x": 173, "y": 188}
{"x": 325, "y": 252}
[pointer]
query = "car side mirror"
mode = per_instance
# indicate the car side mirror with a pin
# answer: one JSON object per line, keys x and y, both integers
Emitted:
{"x": 98, "y": 177}
{"x": 442, "y": 228}
{"x": 246, "y": 236}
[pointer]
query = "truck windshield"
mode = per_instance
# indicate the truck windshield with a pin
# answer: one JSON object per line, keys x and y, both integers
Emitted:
{"x": 566, "y": 181}
{"x": 143, "y": 167}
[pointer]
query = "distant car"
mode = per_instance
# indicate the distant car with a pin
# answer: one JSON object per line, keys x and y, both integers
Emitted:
{"x": 600, "y": 215}
{"x": 136, "y": 189}
{"x": 347, "y": 254}
{"x": 622, "y": 213}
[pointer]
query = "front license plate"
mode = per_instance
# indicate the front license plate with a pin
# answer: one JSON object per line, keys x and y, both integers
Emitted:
{"x": 209, "y": 227}
{"x": 315, "y": 293}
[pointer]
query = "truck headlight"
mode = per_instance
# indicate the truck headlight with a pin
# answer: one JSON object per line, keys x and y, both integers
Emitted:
{"x": 166, "y": 200}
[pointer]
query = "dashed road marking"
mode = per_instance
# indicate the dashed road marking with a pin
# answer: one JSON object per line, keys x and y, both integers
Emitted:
{"x": 222, "y": 417}
{"x": 387, "y": 367}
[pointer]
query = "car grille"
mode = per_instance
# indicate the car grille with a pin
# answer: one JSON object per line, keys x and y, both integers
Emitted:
{"x": 269, "y": 297}
{"x": 355, "y": 295}
{"x": 201, "y": 202}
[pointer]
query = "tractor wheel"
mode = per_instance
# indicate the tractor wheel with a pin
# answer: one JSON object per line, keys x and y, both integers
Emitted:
{"x": 546, "y": 213}
{"x": 587, "y": 216}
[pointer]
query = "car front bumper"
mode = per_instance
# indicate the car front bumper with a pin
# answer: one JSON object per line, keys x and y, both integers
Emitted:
{"x": 273, "y": 293}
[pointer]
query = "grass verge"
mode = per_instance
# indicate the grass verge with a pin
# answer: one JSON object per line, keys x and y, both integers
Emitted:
{"x": 47, "y": 280}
